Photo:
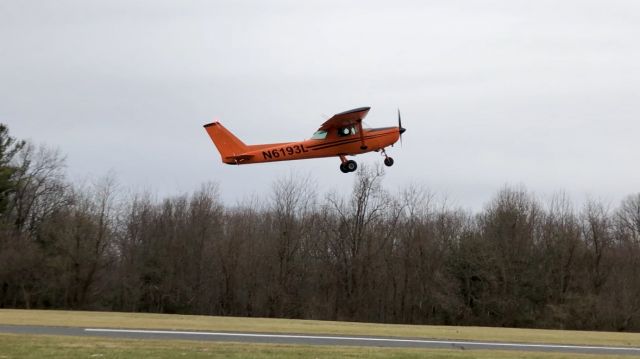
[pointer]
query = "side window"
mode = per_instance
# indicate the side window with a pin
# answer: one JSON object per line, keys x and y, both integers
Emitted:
{"x": 344, "y": 131}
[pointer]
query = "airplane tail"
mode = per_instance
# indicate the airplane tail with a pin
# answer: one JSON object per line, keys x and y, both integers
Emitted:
{"x": 229, "y": 146}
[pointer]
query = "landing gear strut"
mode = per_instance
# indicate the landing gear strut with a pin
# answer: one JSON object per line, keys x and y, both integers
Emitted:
{"x": 388, "y": 161}
{"x": 347, "y": 165}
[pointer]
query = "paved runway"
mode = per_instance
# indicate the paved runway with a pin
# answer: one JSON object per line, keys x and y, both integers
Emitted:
{"x": 303, "y": 339}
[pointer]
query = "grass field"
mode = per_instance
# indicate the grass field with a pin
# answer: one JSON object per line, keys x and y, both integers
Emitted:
{"x": 29, "y": 346}
{"x": 195, "y": 322}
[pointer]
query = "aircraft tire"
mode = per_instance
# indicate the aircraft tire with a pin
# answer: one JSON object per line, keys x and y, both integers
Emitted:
{"x": 351, "y": 165}
{"x": 343, "y": 168}
{"x": 388, "y": 161}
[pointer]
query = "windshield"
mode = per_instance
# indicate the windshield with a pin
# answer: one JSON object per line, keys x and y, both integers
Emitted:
{"x": 319, "y": 135}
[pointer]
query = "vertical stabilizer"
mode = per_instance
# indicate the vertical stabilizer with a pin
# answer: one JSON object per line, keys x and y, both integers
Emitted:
{"x": 227, "y": 144}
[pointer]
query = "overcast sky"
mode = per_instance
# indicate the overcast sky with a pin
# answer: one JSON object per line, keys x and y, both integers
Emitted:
{"x": 540, "y": 93}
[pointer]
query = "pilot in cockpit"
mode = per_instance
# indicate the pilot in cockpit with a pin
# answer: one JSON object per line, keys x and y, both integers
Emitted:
{"x": 346, "y": 131}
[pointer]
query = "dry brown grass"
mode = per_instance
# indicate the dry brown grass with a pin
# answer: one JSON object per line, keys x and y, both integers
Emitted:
{"x": 43, "y": 346}
{"x": 194, "y": 322}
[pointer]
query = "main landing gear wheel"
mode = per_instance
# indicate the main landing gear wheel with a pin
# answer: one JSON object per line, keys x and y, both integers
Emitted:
{"x": 348, "y": 166}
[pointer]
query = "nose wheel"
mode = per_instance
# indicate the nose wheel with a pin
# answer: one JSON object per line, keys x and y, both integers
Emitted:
{"x": 388, "y": 161}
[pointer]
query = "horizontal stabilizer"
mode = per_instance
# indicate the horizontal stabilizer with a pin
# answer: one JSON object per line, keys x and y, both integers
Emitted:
{"x": 239, "y": 158}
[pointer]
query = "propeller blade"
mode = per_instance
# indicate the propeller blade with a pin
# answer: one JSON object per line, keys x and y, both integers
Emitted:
{"x": 400, "y": 128}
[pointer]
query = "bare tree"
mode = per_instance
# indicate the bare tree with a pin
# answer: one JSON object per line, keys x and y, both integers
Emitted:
{"x": 508, "y": 229}
{"x": 39, "y": 189}
{"x": 561, "y": 247}
{"x": 80, "y": 237}
{"x": 596, "y": 231}
{"x": 41, "y": 185}
{"x": 357, "y": 232}
{"x": 628, "y": 218}
{"x": 292, "y": 205}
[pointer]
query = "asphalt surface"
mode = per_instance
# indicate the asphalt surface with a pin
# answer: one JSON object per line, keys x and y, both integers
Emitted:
{"x": 304, "y": 339}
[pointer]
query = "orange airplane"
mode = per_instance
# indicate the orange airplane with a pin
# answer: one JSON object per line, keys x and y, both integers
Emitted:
{"x": 342, "y": 135}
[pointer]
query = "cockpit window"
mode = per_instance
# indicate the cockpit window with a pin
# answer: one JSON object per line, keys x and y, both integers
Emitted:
{"x": 319, "y": 135}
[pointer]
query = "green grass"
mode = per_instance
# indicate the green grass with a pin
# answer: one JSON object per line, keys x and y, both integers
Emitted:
{"x": 194, "y": 322}
{"x": 32, "y": 346}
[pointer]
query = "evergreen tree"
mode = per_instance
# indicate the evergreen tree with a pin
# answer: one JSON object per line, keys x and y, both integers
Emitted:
{"x": 9, "y": 146}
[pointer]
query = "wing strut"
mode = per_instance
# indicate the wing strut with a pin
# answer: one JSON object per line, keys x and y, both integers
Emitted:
{"x": 363, "y": 146}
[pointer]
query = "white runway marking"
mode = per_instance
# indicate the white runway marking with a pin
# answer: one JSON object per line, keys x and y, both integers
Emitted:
{"x": 398, "y": 340}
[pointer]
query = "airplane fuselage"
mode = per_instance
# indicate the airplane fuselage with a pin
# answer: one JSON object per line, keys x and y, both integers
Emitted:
{"x": 333, "y": 145}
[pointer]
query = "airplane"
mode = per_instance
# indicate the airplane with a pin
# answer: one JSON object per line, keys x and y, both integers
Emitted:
{"x": 340, "y": 136}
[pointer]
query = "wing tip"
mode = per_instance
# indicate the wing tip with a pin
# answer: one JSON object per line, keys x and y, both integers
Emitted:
{"x": 359, "y": 109}
{"x": 211, "y": 124}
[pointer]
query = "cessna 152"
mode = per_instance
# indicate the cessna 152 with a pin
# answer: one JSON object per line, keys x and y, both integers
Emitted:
{"x": 342, "y": 135}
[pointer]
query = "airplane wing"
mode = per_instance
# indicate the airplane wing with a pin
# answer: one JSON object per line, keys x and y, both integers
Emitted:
{"x": 346, "y": 118}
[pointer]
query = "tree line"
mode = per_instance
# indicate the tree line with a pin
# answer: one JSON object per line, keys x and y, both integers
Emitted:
{"x": 374, "y": 255}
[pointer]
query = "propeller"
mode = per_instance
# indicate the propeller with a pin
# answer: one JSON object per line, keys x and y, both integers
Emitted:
{"x": 400, "y": 128}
